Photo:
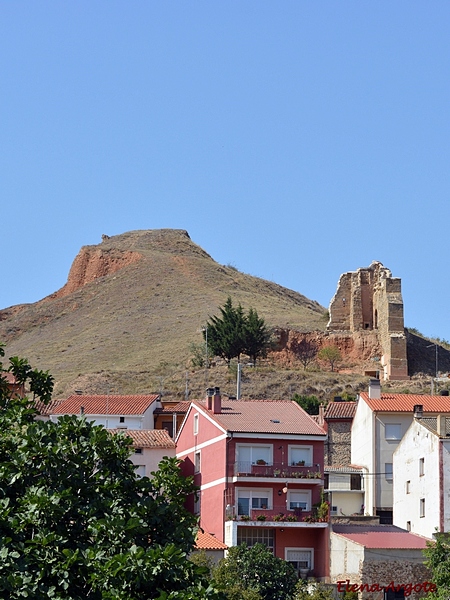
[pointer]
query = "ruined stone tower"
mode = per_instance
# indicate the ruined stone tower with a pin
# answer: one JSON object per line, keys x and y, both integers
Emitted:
{"x": 370, "y": 300}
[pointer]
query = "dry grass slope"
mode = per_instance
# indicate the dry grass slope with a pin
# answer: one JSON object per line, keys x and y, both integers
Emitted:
{"x": 131, "y": 329}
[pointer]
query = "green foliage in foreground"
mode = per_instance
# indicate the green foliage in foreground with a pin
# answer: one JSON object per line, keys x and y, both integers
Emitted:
{"x": 438, "y": 561}
{"x": 76, "y": 523}
{"x": 255, "y": 573}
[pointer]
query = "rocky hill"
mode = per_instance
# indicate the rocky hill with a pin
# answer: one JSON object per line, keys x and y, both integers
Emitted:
{"x": 134, "y": 304}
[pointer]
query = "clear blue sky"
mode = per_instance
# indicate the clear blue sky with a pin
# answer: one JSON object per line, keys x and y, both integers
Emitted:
{"x": 294, "y": 140}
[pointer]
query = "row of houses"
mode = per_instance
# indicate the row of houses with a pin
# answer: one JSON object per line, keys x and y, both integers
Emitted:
{"x": 351, "y": 495}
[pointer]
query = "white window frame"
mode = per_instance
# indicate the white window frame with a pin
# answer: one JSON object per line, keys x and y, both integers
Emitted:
{"x": 196, "y": 424}
{"x": 305, "y": 492}
{"x": 254, "y": 493}
{"x": 422, "y": 508}
{"x": 309, "y": 449}
{"x": 197, "y": 461}
{"x": 393, "y": 435}
{"x": 310, "y": 550}
{"x": 408, "y": 486}
{"x": 197, "y": 503}
{"x": 254, "y": 454}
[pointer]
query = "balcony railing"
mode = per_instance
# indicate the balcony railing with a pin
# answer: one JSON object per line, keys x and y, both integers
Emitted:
{"x": 282, "y": 514}
{"x": 293, "y": 471}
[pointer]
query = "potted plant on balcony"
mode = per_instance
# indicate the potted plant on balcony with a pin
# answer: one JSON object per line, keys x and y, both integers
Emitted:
{"x": 261, "y": 518}
{"x": 245, "y": 517}
{"x": 261, "y": 461}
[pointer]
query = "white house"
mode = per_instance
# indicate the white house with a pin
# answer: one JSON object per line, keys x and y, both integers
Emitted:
{"x": 113, "y": 412}
{"x": 422, "y": 477}
{"x": 149, "y": 448}
{"x": 380, "y": 422}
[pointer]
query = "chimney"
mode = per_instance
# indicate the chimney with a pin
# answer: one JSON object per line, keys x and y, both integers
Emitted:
{"x": 441, "y": 426}
{"x": 209, "y": 398}
{"x": 418, "y": 411}
{"x": 321, "y": 418}
{"x": 217, "y": 401}
{"x": 374, "y": 389}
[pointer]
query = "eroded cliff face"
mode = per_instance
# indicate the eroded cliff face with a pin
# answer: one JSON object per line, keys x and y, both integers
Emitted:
{"x": 92, "y": 263}
{"x": 360, "y": 350}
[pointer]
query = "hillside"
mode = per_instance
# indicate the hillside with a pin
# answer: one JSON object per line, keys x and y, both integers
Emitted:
{"x": 132, "y": 306}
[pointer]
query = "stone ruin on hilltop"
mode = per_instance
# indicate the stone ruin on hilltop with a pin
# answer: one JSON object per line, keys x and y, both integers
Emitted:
{"x": 368, "y": 303}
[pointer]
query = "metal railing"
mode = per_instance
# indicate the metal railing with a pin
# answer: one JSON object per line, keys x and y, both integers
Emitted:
{"x": 293, "y": 471}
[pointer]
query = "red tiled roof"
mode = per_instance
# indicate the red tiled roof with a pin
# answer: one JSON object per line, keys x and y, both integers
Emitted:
{"x": 381, "y": 536}
{"x": 105, "y": 405}
{"x": 406, "y": 402}
{"x": 179, "y": 407}
{"x": 343, "y": 469}
{"x": 46, "y": 410}
{"x": 9, "y": 377}
{"x": 265, "y": 416}
{"x": 340, "y": 410}
{"x": 206, "y": 541}
{"x": 147, "y": 438}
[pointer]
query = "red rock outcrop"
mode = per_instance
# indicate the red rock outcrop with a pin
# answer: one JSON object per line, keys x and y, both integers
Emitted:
{"x": 92, "y": 263}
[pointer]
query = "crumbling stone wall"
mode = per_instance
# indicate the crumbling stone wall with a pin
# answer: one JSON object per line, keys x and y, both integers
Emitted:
{"x": 370, "y": 299}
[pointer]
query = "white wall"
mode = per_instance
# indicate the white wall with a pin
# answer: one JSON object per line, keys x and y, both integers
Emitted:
{"x": 150, "y": 459}
{"x": 418, "y": 442}
{"x": 362, "y": 449}
{"x": 345, "y": 558}
{"x": 384, "y": 452}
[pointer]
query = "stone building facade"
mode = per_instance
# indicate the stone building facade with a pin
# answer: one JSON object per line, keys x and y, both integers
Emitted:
{"x": 370, "y": 300}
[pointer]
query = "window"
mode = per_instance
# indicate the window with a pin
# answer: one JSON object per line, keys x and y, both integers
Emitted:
{"x": 168, "y": 426}
{"x": 197, "y": 503}
{"x": 255, "y": 535}
{"x": 393, "y": 431}
{"x": 421, "y": 467}
{"x": 355, "y": 482}
{"x": 422, "y": 507}
{"x": 197, "y": 462}
{"x": 195, "y": 424}
{"x": 300, "y": 558}
{"x": 334, "y": 510}
{"x": 248, "y": 455}
{"x": 138, "y": 450}
{"x": 299, "y": 500}
{"x": 253, "y": 499}
{"x": 121, "y": 419}
{"x": 300, "y": 455}
{"x": 408, "y": 487}
{"x": 388, "y": 471}
{"x": 408, "y": 525}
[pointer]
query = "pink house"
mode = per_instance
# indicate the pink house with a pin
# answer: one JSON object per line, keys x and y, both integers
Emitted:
{"x": 259, "y": 467}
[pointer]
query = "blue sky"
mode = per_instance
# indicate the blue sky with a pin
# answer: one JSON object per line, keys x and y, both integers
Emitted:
{"x": 293, "y": 140}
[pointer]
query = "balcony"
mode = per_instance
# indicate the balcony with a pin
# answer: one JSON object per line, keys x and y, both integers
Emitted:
{"x": 260, "y": 471}
{"x": 280, "y": 516}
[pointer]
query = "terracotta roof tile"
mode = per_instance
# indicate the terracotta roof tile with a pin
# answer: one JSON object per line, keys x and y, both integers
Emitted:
{"x": 206, "y": 541}
{"x": 343, "y": 469}
{"x": 10, "y": 378}
{"x": 265, "y": 416}
{"x": 147, "y": 438}
{"x": 340, "y": 410}
{"x": 105, "y": 405}
{"x": 179, "y": 407}
{"x": 381, "y": 536}
{"x": 406, "y": 402}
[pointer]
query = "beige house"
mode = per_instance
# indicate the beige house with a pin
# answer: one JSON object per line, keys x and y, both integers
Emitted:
{"x": 149, "y": 448}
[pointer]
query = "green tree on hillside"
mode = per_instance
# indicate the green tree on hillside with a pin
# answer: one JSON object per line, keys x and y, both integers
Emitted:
{"x": 330, "y": 354}
{"x": 438, "y": 561}
{"x": 76, "y": 522}
{"x": 234, "y": 333}
{"x": 257, "y": 336}
{"x": 309, "y": 403}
